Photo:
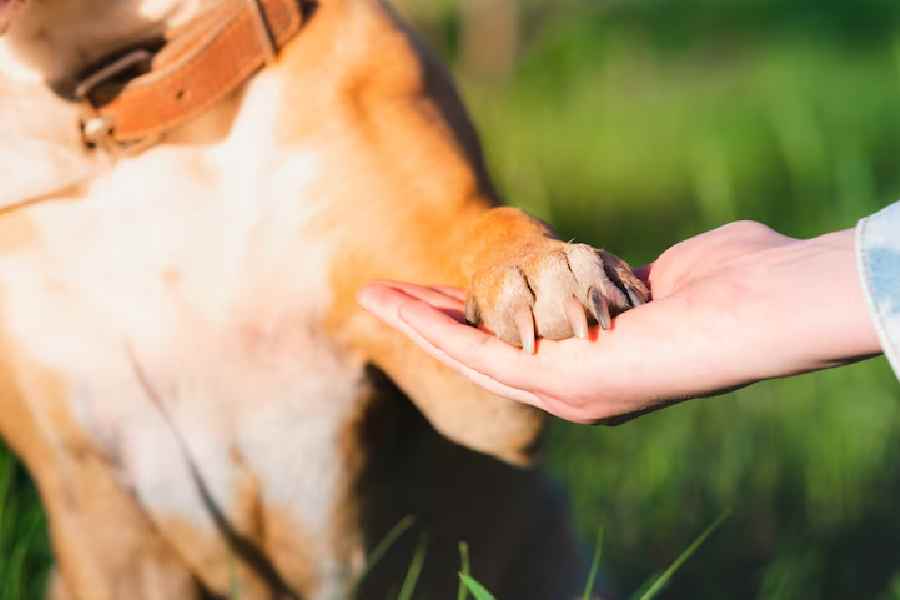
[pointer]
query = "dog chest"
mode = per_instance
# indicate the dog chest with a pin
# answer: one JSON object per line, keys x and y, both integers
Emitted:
{"x": 187, "y": 327}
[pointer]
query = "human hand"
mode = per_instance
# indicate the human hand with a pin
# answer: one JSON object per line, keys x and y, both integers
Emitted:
{"x": 730, "y": 307}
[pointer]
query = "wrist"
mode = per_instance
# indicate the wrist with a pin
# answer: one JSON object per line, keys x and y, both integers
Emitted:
{"x": 845, "y": 310}
{"x": 811, "y": 307}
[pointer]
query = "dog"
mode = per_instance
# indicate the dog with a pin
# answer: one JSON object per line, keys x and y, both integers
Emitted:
{"x": 192, "y": 193}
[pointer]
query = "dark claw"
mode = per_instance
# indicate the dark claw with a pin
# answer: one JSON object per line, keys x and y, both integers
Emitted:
{"x": 613, "y": 276}
{"x": 633, "y": 298}
{"x": 473, "y": 316}
{"x": 599, "y": 308}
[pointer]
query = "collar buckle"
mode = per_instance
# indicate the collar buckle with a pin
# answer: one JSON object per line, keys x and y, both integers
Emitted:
{"x": 131, "y": 60}
{"x": 97, "y": 129}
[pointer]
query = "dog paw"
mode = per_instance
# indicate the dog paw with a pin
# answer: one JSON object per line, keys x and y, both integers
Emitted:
{"x": 554, "y": 290}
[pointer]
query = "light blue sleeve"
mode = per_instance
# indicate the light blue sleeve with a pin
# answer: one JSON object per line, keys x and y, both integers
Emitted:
{"x": 878, "y": 252}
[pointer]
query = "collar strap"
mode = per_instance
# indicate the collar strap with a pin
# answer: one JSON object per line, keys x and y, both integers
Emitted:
{"x": 199, "y": 66}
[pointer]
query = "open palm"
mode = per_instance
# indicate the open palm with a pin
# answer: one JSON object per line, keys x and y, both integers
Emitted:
{"x": 730, "y": 307}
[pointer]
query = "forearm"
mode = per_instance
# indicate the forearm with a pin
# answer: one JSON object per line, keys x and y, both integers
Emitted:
{"x": 787, "y": 308}
{"x": 731, "y": 307}
{"x": 814, "y": 313}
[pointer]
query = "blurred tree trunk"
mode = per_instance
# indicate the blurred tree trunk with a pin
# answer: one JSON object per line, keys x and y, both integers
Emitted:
{"x": 490, "y": 35}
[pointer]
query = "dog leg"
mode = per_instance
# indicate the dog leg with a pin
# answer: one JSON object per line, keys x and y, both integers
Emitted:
{"x": 479, "y": 250}
{"x": 524, "y": 283}
{"x": 105, "y": 546}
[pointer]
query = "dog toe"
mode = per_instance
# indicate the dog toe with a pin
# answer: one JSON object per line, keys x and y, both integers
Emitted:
{"x": 555, "y": 291}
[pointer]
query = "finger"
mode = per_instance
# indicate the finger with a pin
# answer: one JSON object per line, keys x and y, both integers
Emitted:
{"x": 471, "y": 347}
{"x": 428, "y": 294}
{"x": 386, "y": 303}
{"x": 451, "y": 291}
{"x": 445, "y": 298}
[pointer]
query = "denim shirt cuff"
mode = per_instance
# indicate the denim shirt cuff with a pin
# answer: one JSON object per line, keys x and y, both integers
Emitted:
{"x": 878, "y": 256}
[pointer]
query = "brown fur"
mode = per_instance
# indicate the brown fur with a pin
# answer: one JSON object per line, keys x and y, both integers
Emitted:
{"x": 408, "y": 198}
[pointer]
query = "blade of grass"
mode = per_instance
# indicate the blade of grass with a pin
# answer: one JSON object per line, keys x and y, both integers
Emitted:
{"x": 595, "y": 566}
{"x": 478, "y": 591}
{"x": 6, "y": 474}
{"x": 663, "y": 579}
{"x": 382, "y": 548}
{"x": 234, "y": 586}
{"x": 7, "y": 508}
{"x": 10, "y": 549}
{"x": 15, "y": 573}
{"x": 463, "y": 592}
{"x": 415, "y": 569}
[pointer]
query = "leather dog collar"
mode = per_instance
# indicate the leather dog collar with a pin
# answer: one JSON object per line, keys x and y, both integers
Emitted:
{"x": 197, "y": 67}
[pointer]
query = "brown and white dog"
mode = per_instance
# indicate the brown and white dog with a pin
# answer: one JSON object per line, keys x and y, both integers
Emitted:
{"x": 183, "y": 366}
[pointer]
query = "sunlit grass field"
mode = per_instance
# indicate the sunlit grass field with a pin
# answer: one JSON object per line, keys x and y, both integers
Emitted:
{"x": 631, "y": 125}
{"x": 638, "y": 124}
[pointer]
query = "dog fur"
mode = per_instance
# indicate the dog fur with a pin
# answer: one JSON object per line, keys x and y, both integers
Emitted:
{"x": 183, "y": 366}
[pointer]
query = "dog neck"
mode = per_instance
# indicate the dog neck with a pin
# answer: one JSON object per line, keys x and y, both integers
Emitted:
{"x": 46, "y": 47}
{"x": 55, "y": 40}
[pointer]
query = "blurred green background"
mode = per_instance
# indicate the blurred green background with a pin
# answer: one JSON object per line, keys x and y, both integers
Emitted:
{"x": 633, "y": 124}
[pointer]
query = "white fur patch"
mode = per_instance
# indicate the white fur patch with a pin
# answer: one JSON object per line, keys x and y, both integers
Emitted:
{"x": 40, "y": 148}
{"x": 206, "y": 263}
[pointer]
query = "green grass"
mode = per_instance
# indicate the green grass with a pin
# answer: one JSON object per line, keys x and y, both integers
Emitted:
{"x": 24, "y": 549}
{"x": 648, "y": 592}
{"x": 382, "y": 548}
{"x": 465, "y": 571}
{"x": 632, "y": 125}
{"x": 660, "y": 583}
{"x": 415, "y": 570}
{"x": 632, "y": 136}
{"x": 479, "y": 592}
{"x": 595, "y": 567}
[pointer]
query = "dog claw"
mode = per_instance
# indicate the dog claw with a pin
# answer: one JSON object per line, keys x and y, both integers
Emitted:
{"x": 473, "y": 315}
{"x": 555, "y": 291}
{"x": 633, "y": 291}
{"x": 578, "y": 320}
{"x": 633, "y": 297}
{"x": 599, "y": 308}
{"x": 524, "y": 320}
